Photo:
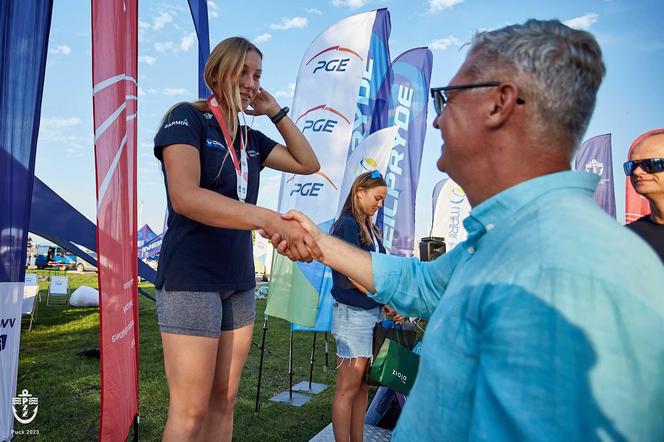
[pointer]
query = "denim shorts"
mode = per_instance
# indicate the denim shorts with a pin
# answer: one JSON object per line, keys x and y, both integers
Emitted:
{"x": 352, "y": 328}
{"x": 204, "y": 313}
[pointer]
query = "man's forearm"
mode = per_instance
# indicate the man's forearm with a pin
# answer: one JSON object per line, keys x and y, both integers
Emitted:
{"x": 347, "y": 260}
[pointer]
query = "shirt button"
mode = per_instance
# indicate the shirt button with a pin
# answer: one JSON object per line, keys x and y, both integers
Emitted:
{"x": 489, "y": 227}
{"x": 471, "y": 250}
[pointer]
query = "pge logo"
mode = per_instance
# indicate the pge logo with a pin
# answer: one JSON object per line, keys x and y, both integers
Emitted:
{"x": 368, "y": 164}
{"x": 307, "y": 189}
{"x": 21, "y": 407}
{"x": 334, "y": 64}
{"x": 324, "y": 124}
{"x": 595, "y": 167}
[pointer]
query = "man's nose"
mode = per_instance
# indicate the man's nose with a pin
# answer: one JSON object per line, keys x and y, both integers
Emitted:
{"x": 435, "y": 122}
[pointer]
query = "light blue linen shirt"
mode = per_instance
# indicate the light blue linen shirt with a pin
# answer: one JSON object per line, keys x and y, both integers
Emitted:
{"x": 546, "y": 324}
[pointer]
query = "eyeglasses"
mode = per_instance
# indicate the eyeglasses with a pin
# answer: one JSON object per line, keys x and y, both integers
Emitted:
{"x": 650, "y": 165}
{"x": 439, "y": 94}
{"x": 375, "y": 175}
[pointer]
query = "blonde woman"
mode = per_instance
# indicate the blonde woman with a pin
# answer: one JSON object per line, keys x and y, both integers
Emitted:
{"x": 205, "y": 280}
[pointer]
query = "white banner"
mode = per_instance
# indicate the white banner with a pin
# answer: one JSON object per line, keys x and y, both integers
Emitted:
{"x": 451, "y": 207}
{"x": 323, "y": 109}
{"x": 11, "y": 300}
{"x": 371, "y": 154}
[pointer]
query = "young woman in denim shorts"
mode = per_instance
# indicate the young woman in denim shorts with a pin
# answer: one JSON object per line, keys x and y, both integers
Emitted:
{"x": 354, "y": 312}
{"x": 205, "y": 280}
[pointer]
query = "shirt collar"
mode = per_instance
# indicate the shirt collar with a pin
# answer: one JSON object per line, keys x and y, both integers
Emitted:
{"x": 485, "y": 216}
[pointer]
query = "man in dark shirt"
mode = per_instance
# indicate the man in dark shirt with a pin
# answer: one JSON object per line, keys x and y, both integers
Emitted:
{"x": 646, "y": 172}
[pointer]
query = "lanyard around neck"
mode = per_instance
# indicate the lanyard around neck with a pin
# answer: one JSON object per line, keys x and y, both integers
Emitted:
{"x": 241, "y": 164}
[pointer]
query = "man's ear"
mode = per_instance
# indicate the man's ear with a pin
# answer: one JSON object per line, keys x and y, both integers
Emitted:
{"x": 504, "y": 104}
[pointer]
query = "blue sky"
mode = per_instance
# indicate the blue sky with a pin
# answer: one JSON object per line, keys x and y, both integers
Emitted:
{"x": 629, "y": 103}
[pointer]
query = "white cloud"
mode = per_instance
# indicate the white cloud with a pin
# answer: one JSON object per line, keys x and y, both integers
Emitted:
{"x": 583, "y": 22}
{"x": 61, "y": 49}
{"x": 288, "y": 93}
{"x": 444, "y": 43}
{"x": 170, "y": 91}
{"x": 161, "y": 20}
{"x": 147, "y": 59}
{"x": 353, "y": 4}
{"x": 290, "y": 23}
{"x": 164, "y": 47}
{"x": 144, "y": 25}
{"x": 440, "y": 5}
{"x": 59, "y": 122}
{"x": 262, "y": 38}
{"x": 213, "y": 9}
{"x": 313, "y": 11}
{"x": 188, "y": 41}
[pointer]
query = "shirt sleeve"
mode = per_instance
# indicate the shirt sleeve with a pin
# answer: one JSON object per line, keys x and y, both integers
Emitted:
{"x": 265, "y": 145}
{"x": 412, "y": 287}
{"x": 181, "y": 125}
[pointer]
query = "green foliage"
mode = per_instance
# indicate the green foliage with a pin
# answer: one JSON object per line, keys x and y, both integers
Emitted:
{"x": 67, "y": 384}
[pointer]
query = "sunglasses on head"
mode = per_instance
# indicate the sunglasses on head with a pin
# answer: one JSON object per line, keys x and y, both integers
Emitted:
{"x": 375, "y": 175}
{"x": 649, "y": 165}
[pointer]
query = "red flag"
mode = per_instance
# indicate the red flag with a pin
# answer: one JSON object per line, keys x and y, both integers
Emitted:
{"x": 636, "y": 206}
{"x": 114, "y": 76}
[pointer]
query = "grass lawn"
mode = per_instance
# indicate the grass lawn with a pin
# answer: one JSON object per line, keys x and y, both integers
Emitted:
{"x": 67, "y": 385}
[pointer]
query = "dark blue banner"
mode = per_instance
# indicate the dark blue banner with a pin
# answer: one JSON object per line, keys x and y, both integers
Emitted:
{"x": 409, "y": 97}
{"x": 594, "y": 156}
{"x": 24, "y": 31}
{"x": 199, "y": 13}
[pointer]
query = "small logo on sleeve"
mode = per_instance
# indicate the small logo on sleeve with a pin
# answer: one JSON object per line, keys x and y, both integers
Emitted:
{"x": 184, "y": 122}
{"x": 214, "y": 144}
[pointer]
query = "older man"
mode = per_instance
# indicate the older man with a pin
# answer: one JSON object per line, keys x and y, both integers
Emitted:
{"x": 646, "y": 171}
{"x": 546, "y": 323}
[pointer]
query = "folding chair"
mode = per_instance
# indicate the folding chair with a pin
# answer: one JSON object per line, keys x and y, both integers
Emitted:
{"x": 31, "y": 279}
{"x": 29, "y": 308}
{"x": 58, "y": 289}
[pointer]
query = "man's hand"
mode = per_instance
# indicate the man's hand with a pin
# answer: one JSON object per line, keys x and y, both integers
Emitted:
{"x": 291, "y": 239}
{"x": 393, "y": 315}
{"x": 286, "y": 247}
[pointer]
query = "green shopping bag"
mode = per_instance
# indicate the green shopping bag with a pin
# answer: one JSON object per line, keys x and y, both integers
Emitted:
{"x": 394, "y": 366}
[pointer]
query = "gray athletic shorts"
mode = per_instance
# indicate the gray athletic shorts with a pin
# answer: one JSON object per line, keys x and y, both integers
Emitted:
{"x": 204, "y": 313}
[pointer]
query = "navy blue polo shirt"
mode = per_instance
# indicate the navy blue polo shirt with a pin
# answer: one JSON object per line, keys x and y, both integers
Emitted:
{"x": 195, "y": 256}
{"x": 343, "y": 290}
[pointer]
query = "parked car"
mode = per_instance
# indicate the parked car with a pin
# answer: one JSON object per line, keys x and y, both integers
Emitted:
{"x": 54, "y": 256}
{"x": 84, "y": 266}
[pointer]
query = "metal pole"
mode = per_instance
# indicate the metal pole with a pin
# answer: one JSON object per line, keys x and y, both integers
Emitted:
{"x": 136, "y": 421}
{"x": 260, "y": 366}
{"x": 326, "y": 352}
{"x": 313, "y": 358}
{"x": 290, "y": 365}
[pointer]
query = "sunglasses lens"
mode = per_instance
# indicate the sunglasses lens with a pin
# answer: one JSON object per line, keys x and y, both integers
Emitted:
{"x": 653, "y": 165}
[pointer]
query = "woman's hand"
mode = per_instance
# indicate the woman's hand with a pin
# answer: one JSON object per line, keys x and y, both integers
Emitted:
{"x": 290, "y": 238}
{"x": 393, "y": 315}
{"x": 285, "y": 246}
{"x": 263, "y": 104}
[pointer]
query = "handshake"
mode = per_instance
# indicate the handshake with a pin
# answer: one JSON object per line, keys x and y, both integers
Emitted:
{"x": 294, "y": 235}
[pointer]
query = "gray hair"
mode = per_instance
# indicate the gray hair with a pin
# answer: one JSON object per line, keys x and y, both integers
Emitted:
{"x": 557, "y": 69}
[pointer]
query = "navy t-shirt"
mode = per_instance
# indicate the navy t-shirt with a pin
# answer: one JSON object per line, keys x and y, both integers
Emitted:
{"x": 195, "y": 256}
{"x": 343, "y": 290}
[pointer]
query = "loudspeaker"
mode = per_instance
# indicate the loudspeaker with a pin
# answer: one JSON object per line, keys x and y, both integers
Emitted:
{"x": 431, "y": 248}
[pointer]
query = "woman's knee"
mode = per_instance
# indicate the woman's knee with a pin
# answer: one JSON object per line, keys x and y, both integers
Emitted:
{"x": 222, "y": 400}
{"x": 188, "y": 419}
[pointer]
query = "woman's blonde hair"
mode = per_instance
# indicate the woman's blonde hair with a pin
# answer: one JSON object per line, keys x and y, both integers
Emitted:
{"x": 222, "y": 75}
{"x": 364, "y": 181}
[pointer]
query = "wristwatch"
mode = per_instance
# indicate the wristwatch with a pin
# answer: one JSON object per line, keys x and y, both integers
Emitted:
{"x": 281, "y": 114}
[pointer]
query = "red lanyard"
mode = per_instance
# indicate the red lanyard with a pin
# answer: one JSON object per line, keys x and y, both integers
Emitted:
{"x": 214, "y": 107}
{"x": 241, "y": 165}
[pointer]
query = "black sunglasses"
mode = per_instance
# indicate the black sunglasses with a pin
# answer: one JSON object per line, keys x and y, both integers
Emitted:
{"x": 439, "y": 94}
{"x": 650, "y": 165}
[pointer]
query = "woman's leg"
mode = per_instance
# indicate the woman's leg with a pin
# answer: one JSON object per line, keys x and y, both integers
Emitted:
{"x": 359, "y": 410}
{"x": 232, "y": 353}
{"x": 349, "y": 382}
{"x": 189, "y": 363}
